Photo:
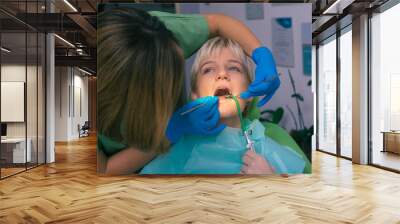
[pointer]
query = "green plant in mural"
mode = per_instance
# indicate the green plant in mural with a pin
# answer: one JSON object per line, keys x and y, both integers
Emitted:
{"x": 275, "y": 116}
{"x": 302, "y": 134}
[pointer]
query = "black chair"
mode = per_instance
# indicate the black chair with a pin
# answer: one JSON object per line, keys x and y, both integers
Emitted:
{"x": 84, "y": 130}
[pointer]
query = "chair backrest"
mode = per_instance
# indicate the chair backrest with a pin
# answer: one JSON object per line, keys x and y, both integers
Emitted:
{"x": 281, "y": 136}
{"x": 86, "y": 125}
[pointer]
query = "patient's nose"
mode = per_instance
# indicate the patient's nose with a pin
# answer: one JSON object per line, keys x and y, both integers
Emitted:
{"x": 223, "y": 75}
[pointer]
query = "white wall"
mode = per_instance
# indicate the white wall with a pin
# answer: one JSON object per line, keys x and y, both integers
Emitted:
{"x": 13, "y": 101}
{"x": 300, "y": 13}
{"x": 68, "y": 83}
{"x": 12, "y": 73}
{"x": 33, "y": 127}
{"x": 61, "y": 103}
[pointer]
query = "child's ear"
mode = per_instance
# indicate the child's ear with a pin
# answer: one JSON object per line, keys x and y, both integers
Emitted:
{"x": 194, "y": 95}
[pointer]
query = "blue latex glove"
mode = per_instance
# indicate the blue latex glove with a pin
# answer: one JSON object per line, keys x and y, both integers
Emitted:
{"x": 201, "y": 121}
{"x": 267, "y": 80}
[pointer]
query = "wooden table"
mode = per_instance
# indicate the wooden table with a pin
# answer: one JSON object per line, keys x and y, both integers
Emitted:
{"x": 391, "y": 141}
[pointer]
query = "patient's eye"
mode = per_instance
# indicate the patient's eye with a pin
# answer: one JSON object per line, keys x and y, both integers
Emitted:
{"x": 234, "y": 69}
{"x": 208, "y": 70}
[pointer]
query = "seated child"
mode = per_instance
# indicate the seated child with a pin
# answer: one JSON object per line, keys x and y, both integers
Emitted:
{"x": 222, "y": 69}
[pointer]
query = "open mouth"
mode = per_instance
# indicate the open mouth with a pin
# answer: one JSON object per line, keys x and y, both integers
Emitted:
{"x": 224, "y": 91}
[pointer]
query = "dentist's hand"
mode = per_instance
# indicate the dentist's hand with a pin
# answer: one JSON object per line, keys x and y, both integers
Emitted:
{"x": 267, "y": 80}
{"x": 203, "y": 120}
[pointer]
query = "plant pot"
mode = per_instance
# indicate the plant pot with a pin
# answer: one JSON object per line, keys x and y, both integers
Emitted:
{"x": 303, "y": 139}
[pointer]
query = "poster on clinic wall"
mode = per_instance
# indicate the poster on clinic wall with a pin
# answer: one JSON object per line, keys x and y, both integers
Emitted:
{"x": 307, "y": 48}
{"x": 282, "y": 41}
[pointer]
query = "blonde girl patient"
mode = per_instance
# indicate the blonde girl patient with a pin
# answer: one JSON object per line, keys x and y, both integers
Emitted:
{"x": 221, "y": 68}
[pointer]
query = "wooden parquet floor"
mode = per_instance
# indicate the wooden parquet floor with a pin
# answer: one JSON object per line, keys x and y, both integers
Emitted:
{"x": 70, "y": 191}
{"x": 10, "y": 171}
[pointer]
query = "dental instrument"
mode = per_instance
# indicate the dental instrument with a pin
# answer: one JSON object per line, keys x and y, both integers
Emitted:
{"x": 202, "y": 104}
{"x": 193, "y": 109}
{"x": 250, "y": 143}
{"x": 247, "y": 133}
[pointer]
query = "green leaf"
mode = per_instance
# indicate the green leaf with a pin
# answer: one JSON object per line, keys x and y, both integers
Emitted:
{"x": 278, "y": 115}
{"x": 253, "y": 111}
{"x": 268, "y": 112}
{"x": 265, "y": 120}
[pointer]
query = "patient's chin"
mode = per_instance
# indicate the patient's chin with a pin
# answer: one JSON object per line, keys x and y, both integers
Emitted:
{"x": 227, "y": 108}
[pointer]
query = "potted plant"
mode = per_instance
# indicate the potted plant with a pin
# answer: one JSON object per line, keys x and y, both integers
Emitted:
{"x": 302, "y": 134}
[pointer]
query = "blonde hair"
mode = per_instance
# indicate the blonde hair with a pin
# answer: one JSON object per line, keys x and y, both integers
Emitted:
{"x": 215, "y": 46}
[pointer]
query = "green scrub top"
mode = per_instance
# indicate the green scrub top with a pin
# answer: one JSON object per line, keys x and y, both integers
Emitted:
{"x": 191, "y": 31}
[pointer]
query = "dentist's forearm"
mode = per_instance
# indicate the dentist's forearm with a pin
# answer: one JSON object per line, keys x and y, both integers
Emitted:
{"x": 231, "y": 28}
{"x": 128, "y": 161}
